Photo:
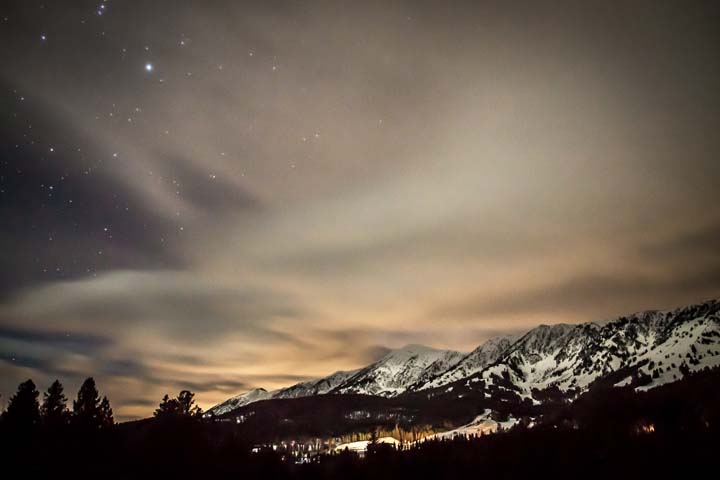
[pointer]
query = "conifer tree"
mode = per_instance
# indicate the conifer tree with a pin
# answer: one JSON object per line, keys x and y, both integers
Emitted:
{"x": 182, "y": 406}
{"x": 86, "y": 409}
{"x": 186, "y": 403}
{"x": 54, "y": 410}
{"x": 106, "y": 414}
{"x": 168, "y": 407}
{"x": 23, "y": 410}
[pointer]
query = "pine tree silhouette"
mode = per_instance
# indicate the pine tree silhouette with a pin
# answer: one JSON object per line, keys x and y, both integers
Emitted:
{"x": 54, "y": 411}
{"x": 182, "y": 406}
{"x": 23, "y": 411}
{"x": 86, "y": 409}
{"x": 186, "y": 404}
{"x": 168, "y": 407}
{"x": 106, "y": 414}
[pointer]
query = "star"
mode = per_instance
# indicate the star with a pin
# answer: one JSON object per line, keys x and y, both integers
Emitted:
{"x": 149, "y": 67}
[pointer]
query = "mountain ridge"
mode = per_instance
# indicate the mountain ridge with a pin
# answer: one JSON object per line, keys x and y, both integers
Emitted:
{"x": 657, "y": 347}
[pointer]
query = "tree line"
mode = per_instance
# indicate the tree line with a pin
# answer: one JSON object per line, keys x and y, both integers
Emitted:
{"x": 89, "y": 411}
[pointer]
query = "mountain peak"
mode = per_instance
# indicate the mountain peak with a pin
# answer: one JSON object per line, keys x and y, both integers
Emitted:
{"x": 400, "y": 368}
{"x": 251, "y": 396}
{"x": 487, "y": 353}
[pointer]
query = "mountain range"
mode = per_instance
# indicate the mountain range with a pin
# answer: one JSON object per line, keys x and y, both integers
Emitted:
{"x": 644, "y": 350}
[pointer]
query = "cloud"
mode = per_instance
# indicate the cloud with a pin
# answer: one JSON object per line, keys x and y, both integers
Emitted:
{"x": 201, "y": 187}
{"x": 590, "y": 297}
{"x": 138, "y": 402}
{"x": 68, "y": 341}
{"x": 184, "y": 307}
{"x": 162, "y": 329}
{"x": 374, "y": 353}
{"x": 64, "y": 221}
{"x": 253, "y": 214}
{"x": 693, "y": 247}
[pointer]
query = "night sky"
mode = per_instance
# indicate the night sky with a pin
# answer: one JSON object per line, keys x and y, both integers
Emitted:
{"x": 221, "y": 195}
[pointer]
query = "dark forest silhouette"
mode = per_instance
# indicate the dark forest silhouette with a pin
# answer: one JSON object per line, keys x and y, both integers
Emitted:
{"x": 669, "y": 431}
{"x": 25, "y": 416}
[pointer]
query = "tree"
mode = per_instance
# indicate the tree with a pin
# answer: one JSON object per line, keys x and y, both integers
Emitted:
{"x": 106, "y": 414}
{"x": 86, "y": 409}
{"x": 89, "y": 411}
{"x": 23, "y": 410}
{"x": 182, "y": 406}
{"x": 54, "y": 410}
{"x": 168, "y": 407}
{"x": 186, "y": 404}
{"x": 372, "y": 445}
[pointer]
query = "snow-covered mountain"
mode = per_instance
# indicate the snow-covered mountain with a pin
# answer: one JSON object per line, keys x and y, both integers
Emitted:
{"x": 389, "y": 376}
{"x": 396, "y": 371}
{"x": 318, "y": 386}
{"x": 644, "y": 349}
{"x": 652, "y": 347}
{"x": 473, "y": 362}
{"x": 241, "y": 400}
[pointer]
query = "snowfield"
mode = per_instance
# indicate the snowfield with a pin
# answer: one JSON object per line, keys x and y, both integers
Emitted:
{"x": 482, "y": 425}
{"x": 361, "y": 446}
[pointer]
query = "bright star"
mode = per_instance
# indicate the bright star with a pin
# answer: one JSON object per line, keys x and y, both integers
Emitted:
{"x": 149, "y": 67}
